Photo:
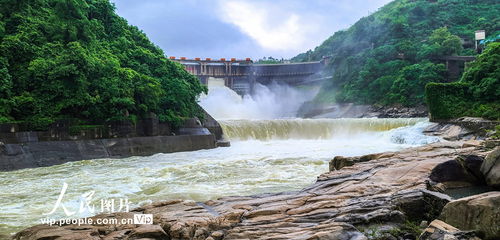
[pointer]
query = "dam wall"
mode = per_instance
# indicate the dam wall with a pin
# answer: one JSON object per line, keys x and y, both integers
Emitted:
{"x": 63, "y": 143}
{"x": 242, "y": 75}
{"x": 16, "y": 156}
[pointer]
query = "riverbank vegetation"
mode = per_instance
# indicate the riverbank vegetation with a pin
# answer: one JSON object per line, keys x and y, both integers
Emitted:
{"x": 477, "y": 94}
{"x": 387, "y": 58}
{"x": 68, "y": 59}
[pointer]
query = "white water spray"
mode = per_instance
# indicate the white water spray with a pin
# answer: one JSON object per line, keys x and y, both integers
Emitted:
{"x": 268, "y": 102}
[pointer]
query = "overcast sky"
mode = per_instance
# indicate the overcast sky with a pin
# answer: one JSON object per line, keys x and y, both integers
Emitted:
{"x": 242, "y": 28}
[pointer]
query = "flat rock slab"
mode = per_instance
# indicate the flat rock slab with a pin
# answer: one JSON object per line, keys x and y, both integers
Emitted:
{"x": 390, "y": 188}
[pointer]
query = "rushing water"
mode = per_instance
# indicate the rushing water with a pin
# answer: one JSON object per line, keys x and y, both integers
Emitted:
{"x": 267, "y": 102}
{"x": 265, "y": 156}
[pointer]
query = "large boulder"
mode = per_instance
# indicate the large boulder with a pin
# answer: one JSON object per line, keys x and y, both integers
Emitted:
{"x": 479, "y": 213}
{"x": 464, "y": 168}
{"x": 472, "y": 164}
{"x": 439, "y": 230}
{"x": 491, "y": 168}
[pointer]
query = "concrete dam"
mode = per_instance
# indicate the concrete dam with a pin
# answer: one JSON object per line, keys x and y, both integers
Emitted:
{"x": 242, "y": 75}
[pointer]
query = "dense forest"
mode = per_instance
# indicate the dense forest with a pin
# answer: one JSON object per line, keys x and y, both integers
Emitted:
{"x": 77, "y": 59}
{"x": 476, "y": 94}
{"x": 388, "y": 57}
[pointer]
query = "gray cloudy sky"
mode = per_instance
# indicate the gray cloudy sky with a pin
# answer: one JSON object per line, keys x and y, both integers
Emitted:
{"x": 242, "y": 28}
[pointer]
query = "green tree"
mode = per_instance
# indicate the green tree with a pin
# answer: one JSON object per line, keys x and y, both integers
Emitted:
{"x": 409, "y": 87}
{"x": 5, "y": 90}
{"x": 484, "y": 74}
{"x": 78, "y": 59}
{"x": 477, "y": 94}
{"x": 441, "y": 43}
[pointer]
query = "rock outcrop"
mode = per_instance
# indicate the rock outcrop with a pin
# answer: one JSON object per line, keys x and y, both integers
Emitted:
{"x": 480, "y": 213}
{"x": 491, "y": 168}
{"x": 464, "y": 168}
{"x": 397, "y": 112}
{"x": 465, "y": 128}
{"x": 439, "y": 230}
{"x": 351, "y": 110}
{"x": 389, "y": 188}
{"x": 339, "y": 162}
{"x": 450, "y": 132}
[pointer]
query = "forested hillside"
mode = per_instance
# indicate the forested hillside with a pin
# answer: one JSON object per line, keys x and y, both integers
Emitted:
{"x": 388, "y": 57}
{"x": 477, "y": 94}
{"x": 77, "y": 59}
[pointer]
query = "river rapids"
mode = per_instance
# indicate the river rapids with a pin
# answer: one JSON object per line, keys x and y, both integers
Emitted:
{"x": 266, "y": 155}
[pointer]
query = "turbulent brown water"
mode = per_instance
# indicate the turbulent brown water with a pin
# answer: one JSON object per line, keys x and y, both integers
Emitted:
{"x": 310, "y": 129}
{"x": 265, "y": 156}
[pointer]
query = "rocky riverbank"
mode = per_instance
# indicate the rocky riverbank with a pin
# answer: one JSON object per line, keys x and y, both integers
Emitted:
{"x": 350, "y": 110}
{"x": 389, "y": 195}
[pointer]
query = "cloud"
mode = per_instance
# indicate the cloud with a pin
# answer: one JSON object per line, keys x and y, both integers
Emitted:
{"x": 185, "y": 28}
{"x": 271, "y": 28}
{"x": 242, "y": 28}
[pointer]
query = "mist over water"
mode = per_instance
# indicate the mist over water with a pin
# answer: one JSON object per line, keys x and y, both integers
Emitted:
{"x": 268, "y": 102}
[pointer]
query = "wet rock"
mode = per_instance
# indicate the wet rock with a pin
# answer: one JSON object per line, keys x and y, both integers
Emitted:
{"x": 212, "y": 125}
{"x": 464, "y": 168}
{"x": 42, "y": 232}
{"x": 479, "y": 126}
{"x": 148, "y": 231}
{"x": 397, "y": 112}
{"x": 350, "y": 110}
{"x": 491, "y": 143}
{"x": 479, "y": 213}
{"x": 217, "y": 235}
{"x": 450, "y": 171}
{"x": 439, "y": 230}
{"x": 450, "y": 132}
{"x": 472, "y": 143}
{"x": 491, "y": 168}
{"x": 339, "y": 162}
{"x": 3, "y": 149}
{"x": 444, "y": 186}
{"x": 223, "y": 143}
{"x": 465, "y": 128}
{"x": 472, "y": 164}
{"x": 434, "y": 203}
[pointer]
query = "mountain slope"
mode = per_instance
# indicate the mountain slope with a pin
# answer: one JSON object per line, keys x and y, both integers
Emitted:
{"x": 78, "y": 59}
{"x": 388, "y": 57}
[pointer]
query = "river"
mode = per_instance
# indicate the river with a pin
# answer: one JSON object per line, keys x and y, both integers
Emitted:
{"x": 266, "y": 155}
